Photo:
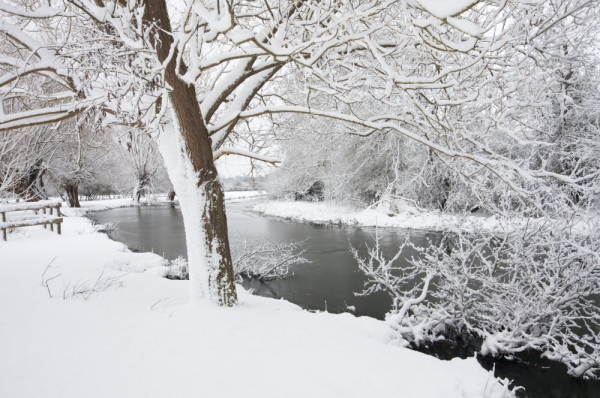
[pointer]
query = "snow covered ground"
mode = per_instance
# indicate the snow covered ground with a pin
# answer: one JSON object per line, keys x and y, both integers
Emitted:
{"x": 94, "y": 205}
{"x": 400, "y": 215}
{"x": 243, "y": 195}
{"x": 80, "y": 315}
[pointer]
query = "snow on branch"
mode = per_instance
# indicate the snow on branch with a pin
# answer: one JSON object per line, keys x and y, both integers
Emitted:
{"x": 42, "y": 12}
{"x": 242, "y": 152}
{"x": 265, "y": 260}
{"x": 42, "y": 116}
{"x": 443, "y": 9}
{"x": 40, "y": 60}
{"x": 488, "y": 159}
{"x": 401, "y": 281}
{"x": 533, "y": 288}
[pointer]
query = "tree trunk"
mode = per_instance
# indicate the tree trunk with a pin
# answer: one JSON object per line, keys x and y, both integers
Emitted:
{"x": 136, "y": 195}
{"x": 171, "y": 195}
{"x": 72, "y": 191}
{"x": 187, "y": 151}
{"x": 27, "y": 186}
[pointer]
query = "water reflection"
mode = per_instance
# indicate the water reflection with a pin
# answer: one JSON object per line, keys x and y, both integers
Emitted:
{"x": 328, "y": 282}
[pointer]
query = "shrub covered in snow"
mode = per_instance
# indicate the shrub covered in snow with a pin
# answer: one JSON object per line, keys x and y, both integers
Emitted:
{"x": 266, "y": 259}
{"x": 535, "y": 288}
{"x": 178, "y": 269}
{"x": 263, "y": 259}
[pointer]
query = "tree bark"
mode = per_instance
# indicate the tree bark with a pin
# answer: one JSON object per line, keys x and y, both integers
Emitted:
{"x": 211, "y": 267}
{"x": 171, "y": 195}
{"x": 136, "y": 195}
{"x": 72, "y": 191}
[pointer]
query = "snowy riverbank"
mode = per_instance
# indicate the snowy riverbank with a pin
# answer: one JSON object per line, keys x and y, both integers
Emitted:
{"x": 401, "y": 215}
{"x": 83, "y": 316}
{"x": 105, "y": 204}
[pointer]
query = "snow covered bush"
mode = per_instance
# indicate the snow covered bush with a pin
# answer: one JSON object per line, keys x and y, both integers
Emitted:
{"x": 178, "y": 269}
{"x": 265, "y": 260}
{"x": 535, "y": 287}
{"x": 408, "y": 286}
{"x": 106, "y": 228}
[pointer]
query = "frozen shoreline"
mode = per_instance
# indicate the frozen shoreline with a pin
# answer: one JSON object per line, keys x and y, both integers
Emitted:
{"x": 139, "y": 336}
{"x": 105, "y": 204}
{"x": 403, "y": 217}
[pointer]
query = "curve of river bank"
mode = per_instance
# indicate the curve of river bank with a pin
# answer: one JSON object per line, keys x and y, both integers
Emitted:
{"x": 330, "y": 280}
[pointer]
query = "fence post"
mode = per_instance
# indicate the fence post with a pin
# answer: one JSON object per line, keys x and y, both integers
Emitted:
{"x": 4, "y": 229}
{"x": 58, "y": 225}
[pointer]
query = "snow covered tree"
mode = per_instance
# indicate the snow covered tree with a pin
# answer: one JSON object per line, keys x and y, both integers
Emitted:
{"x": 21, "y": 166}
{"x": 533, "y": 282}
{"x": 78, "y": 150}
{"x": 202, "y": 77}
{"x": 9, "y": 161}
{"x": 27, "y": 161}
{"x": 143, "y": 160}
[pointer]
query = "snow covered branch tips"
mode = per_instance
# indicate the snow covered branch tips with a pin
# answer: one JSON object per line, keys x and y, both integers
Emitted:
{"x": 206, "y": 79}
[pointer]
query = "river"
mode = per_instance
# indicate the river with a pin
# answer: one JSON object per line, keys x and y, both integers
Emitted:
{"x": 327, "y": 282}
{"x": 331, "y": 278}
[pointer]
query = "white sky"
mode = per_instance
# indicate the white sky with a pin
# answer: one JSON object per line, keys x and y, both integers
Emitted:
{"x": 232, "y": 166}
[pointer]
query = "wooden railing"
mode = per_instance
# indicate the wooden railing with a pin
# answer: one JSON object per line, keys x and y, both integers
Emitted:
{"x": 44, "y": 219}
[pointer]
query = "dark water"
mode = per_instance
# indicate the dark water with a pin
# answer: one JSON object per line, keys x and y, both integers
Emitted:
{"x": 330, "y": 280}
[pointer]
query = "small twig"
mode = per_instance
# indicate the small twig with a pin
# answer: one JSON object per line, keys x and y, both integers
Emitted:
{"x": 65, "y": 289}
{"x": 45, "y": 270}
{"x": 45, "y": 281}
{"x": 95, "y": 284}
{"x": 48, "y": 287}
{"x": 153, "y": 305}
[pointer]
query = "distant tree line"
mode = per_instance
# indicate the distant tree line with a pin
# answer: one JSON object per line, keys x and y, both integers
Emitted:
{"x": 77, "y": 160}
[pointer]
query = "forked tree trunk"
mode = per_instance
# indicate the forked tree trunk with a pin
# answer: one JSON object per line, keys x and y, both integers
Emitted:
{"x": 138, "y": 190}
{"x": 141, "y": 186}
{"x": 188, "y": 156}
{"x": 72, "y": 191}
